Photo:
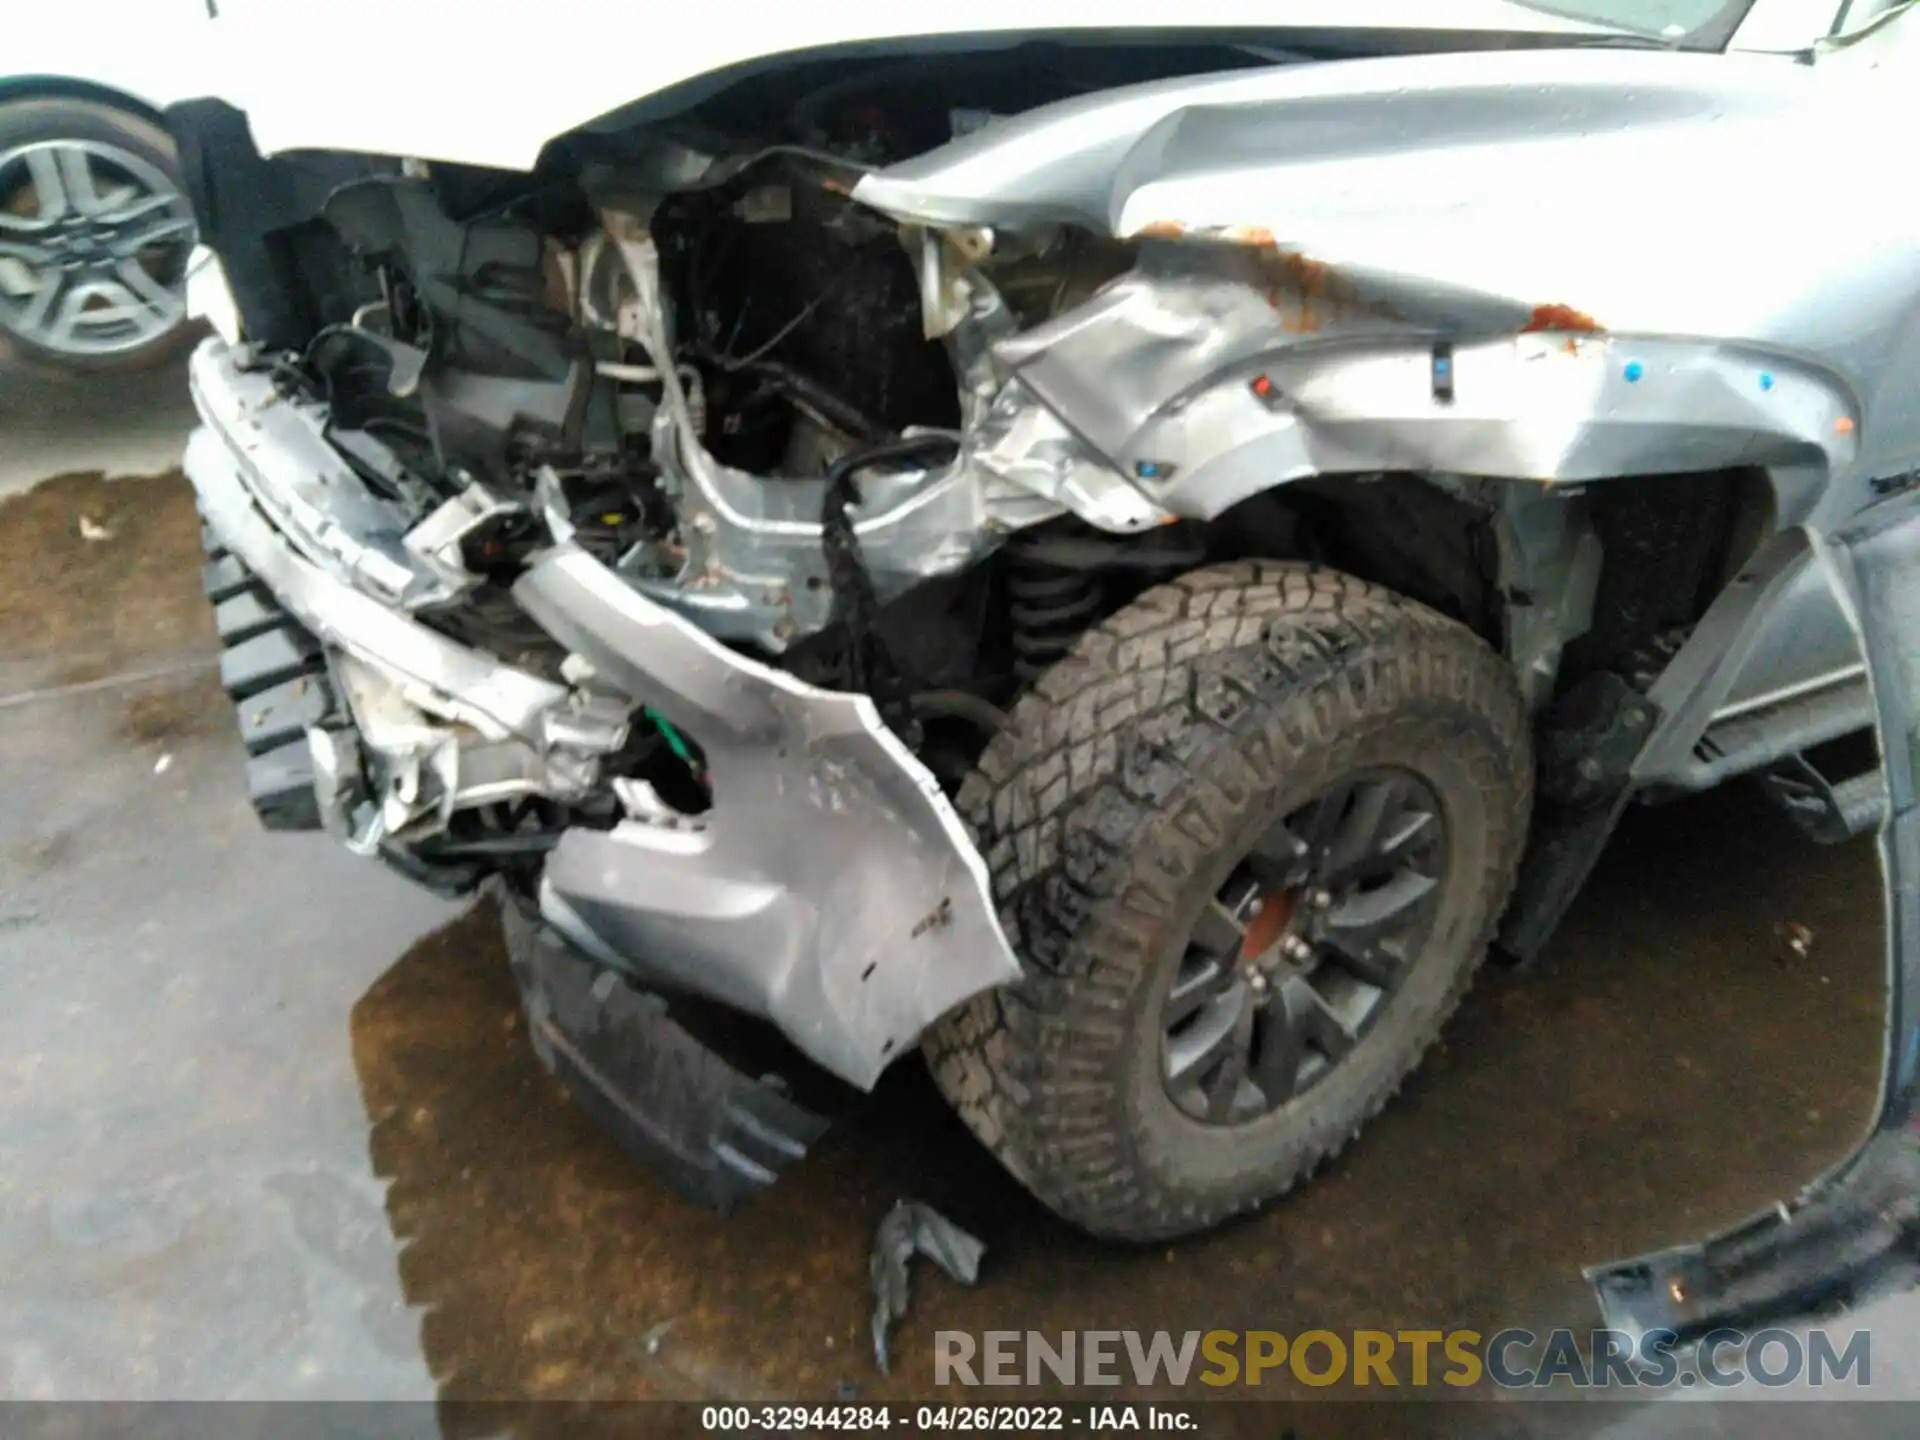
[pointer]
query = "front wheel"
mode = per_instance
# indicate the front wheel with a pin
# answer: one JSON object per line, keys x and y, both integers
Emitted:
{"x": 1251, "y": 839}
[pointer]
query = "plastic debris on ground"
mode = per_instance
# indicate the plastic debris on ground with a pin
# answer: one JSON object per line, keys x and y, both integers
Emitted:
{"x": 911, "y": 1228}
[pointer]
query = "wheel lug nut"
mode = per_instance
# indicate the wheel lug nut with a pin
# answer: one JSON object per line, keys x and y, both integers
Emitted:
{"x": 1320, "y": 899}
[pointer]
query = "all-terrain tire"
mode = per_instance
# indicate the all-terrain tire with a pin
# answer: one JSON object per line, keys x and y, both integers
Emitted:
{"x": 1132, "y": 777}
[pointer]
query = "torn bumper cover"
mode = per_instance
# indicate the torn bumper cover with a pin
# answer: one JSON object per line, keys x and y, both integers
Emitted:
{"x": 1852, "y": 1234}
{"x": 830, "y": 889}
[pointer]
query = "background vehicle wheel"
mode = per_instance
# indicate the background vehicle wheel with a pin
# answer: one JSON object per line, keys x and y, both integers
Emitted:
{"x": 95, "y": 235}
{"x": 1251, "y": 839}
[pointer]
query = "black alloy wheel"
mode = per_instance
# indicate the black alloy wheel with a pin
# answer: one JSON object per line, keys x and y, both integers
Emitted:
{"x": 1298, "y": 954}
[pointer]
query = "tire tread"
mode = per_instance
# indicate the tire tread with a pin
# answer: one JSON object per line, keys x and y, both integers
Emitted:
{"x": 1143, "y": 741}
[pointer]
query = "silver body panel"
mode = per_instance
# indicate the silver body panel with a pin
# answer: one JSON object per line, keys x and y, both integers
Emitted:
{"x": 1382, "y": 204}
{"x": 1807, "y": 645}
{"x": 834, "y": 891}
{"x": 831, "y": 888}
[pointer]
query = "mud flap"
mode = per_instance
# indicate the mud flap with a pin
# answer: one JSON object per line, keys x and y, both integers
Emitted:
{"x": 715, "y": 1129}
{"x": 1854, "y": 1232}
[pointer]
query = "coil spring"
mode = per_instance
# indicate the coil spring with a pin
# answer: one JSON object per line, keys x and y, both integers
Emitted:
{"x": 1050, "y": 604}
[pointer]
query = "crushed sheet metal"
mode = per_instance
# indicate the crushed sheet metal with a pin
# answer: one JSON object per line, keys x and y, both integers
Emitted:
{"x": 1414, "y": 194}
{"x": 314, "y": 497}
{"x": 912, "y": 1228}
{"x": 446, "y": 678}
{"x": 748, "y": 540}
{"x": 1161, "y": 367}
{"x": 1308, "y": 295}
{"x": 1024, "y": 445}
{"x": 1261, "y": 156}
{"x": 834, "y": 890}
{"x": 831, "y": 888}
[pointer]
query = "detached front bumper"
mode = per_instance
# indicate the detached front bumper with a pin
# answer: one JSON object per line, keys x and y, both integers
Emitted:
{"x": 830, "y": 889}
{"x": 1854, "y": 1233}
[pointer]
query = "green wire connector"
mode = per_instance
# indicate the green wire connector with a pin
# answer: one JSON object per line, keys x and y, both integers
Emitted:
{"x": 675, "y": 741}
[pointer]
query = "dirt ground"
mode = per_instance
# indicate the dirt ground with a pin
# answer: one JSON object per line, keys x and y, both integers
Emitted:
{"x": 99, "y": 576}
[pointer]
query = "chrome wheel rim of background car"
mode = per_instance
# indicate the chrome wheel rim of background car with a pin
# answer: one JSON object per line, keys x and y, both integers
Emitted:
{"x": 1298, "y": 953}
{"x": 93, "y": 248}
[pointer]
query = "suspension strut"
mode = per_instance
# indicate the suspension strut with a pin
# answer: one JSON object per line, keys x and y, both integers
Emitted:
{"x": 1057, "y": 581}
{"x": 1051, "y": 604}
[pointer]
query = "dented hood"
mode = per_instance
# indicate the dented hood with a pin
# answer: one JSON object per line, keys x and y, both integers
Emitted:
{"x": 492, "y": 85}
{"x": 1636, "y": 192}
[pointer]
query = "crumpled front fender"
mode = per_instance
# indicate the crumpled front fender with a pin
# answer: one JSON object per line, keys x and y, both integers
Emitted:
{"x": 1530, "y": 265}
{"x": 1206, "y": 378}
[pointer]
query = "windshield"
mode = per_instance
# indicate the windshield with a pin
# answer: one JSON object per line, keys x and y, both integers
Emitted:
{"x": 1711, "y": 22}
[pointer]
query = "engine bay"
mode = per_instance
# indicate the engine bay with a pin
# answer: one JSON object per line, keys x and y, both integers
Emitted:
{"x": 763, "y": 405}
{"x": 886, "y": 454}
{"x": 689, "y": 381}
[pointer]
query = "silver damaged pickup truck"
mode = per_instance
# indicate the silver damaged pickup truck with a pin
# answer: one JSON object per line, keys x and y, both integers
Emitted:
{"x": 1125, "y": 560}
